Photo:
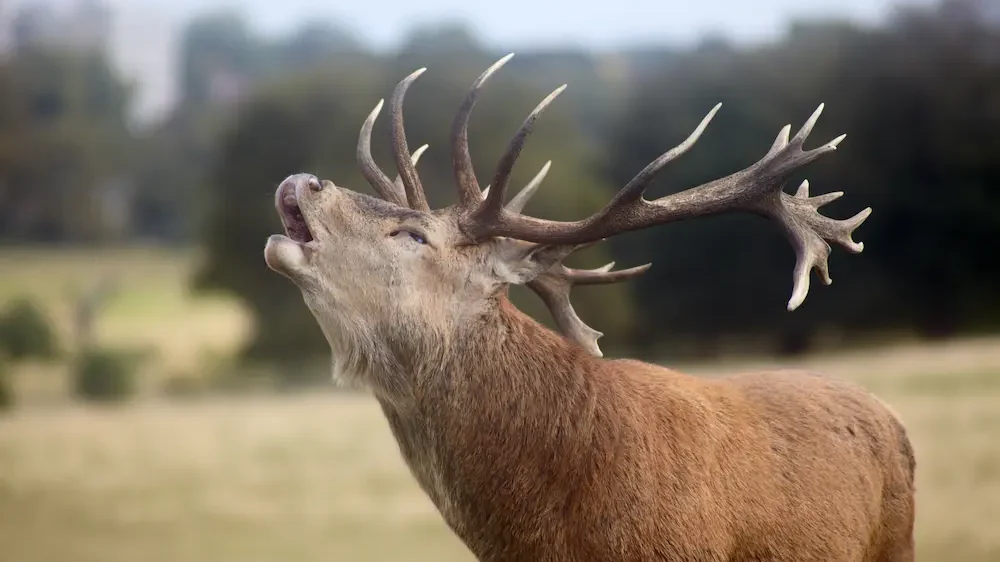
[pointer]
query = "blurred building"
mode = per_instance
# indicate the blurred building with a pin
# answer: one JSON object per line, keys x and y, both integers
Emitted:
{"x": 78, "y": 25}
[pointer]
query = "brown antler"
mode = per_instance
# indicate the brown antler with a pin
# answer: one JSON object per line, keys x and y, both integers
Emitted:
{"x": 406, "y": 166}
{"x": 756, "y": 189}
{"x": 375, "y": 176}
{"x": 493, "y": 204}
{"x": 461, "y": 160}
{"x": 406, "y": 191}
{"x": 554, "y": 286}
{"x": 398, "y": 184}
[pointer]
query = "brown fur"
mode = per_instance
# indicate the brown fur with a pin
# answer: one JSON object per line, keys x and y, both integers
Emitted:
{"x": 535, "y": 450}
{"x": 546, "y": 453}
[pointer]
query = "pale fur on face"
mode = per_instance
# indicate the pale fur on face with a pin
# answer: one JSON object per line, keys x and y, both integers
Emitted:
{"x": 391, "y": 287}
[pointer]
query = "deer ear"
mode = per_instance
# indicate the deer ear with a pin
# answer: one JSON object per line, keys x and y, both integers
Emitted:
{"x": 516, "y": 262}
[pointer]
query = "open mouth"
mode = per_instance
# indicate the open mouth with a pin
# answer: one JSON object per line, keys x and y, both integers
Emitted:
{"x": 291, "y": 214}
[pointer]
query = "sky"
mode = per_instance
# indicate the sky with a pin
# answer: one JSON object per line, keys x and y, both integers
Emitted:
{"x": 146, "y": 31}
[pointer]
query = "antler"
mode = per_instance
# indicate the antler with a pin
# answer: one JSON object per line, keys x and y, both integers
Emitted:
{"x": 461, "y": 160}
{"x": 554, "y": 286}
{"x": 375, "y": 176}
{"x": 756, "y": 189}
{"x": 406, "y": 191}
{"x": 407, "y": 170}
{"x": 398, "y": 184}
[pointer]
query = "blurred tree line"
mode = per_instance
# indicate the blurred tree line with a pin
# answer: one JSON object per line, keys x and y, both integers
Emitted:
{"x": 63, "y": 138}
{"x": 919, "y": 98}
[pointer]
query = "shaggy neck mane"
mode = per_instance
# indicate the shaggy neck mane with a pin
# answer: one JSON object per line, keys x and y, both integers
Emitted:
{"x": 509, "y": 413}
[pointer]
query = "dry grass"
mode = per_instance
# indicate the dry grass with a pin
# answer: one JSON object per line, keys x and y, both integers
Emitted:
{"x": 293, "y": 478}
{"x": 318, "y": 477}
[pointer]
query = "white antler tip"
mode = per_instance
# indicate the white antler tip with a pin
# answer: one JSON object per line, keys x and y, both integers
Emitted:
{"x": 800, "y": 290}
{"x": 489, "y": 71}
{"x": 859, "y": 219}
{"x": 415, "y": 157}
{"x": 803, "y": 191}
{"x": 833, "y": 144}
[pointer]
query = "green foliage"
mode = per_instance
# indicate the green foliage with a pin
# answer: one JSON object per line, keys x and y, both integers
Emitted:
{"x": 104, "y": 375}
{"x": 26, "y": 332}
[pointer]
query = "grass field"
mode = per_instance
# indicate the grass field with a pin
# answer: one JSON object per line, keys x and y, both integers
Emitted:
{"x": 316, "y": 476}
{"x": 152, "y": 309}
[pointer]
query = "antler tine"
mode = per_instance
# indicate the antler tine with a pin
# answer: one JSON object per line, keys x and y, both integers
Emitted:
{"x": 398, "y": 184}
{"x": 465, "y": 174}
{"x": 554, "y": 287}
{"x": 780, "y": 141}
{"x": 495, "y": 200}
{"x": 516, "y": 205}
{"x": 375, "y": 176}
{"x": 407, "y": 171}
{"x": 604, "y": 275}
{"x": 756, "y": 189}
{"x": 637, "y": 186}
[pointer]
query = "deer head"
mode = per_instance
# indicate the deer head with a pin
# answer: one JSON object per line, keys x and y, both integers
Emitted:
{"x": 390, "y": 280}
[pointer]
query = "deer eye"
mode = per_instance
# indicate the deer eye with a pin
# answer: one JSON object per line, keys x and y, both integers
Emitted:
{"x": 418, "y": 238}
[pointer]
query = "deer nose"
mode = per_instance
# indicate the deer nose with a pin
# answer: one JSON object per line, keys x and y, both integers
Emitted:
{"x": 295, "y": 183}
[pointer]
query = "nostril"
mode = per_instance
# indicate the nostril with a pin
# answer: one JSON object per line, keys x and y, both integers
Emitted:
{"x": 314, "y": 184}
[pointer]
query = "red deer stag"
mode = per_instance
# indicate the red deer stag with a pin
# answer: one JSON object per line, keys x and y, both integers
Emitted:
{"x": 535, "y": 448}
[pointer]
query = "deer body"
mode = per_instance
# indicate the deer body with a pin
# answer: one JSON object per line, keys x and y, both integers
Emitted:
{"x": 531, "y": 445}
{"x": 554, "y": 455}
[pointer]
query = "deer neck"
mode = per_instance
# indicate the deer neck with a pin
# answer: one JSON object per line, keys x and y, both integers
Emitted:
{"x": 507, "y": 413}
